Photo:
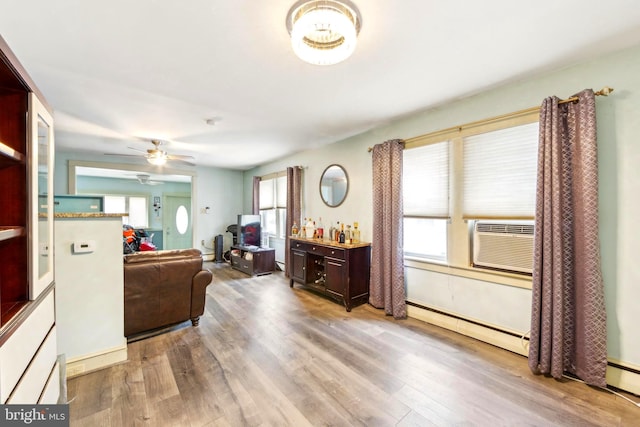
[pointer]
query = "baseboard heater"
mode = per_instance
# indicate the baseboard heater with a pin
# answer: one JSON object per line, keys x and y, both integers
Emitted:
{"x": 623, "y": 377}
{"x": 453, "y": 316}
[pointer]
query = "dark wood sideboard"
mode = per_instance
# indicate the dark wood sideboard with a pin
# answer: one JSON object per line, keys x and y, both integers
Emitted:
{"x": 339, "y": 271}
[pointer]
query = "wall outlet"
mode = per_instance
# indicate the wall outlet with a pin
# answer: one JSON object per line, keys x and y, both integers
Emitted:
{"x": 202, "y": 243}
{"x": 43, "y": 249}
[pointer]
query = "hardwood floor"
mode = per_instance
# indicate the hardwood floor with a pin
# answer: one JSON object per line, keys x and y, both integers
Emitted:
{"x": 268, "y": 355}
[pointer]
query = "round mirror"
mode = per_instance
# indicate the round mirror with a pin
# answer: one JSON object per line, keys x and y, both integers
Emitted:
{"x": 334, "y": 185}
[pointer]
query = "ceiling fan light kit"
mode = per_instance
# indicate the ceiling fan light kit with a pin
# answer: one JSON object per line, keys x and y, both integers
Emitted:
{"x": 323, "y": 32}
{"x": 157, "y": 158}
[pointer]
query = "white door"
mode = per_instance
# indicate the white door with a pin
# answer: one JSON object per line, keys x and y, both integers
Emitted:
{"x": 176, "y": 223}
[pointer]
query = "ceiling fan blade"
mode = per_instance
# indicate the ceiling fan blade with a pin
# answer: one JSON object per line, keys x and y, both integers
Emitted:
{"x": 179, "y": 157}
{"x": 122, "y": 155}
{"x": 184, "y": 162}
{"x": 138, "y": 150}
{"x": 187, "y": 160}
{"x": 156, "y": 152}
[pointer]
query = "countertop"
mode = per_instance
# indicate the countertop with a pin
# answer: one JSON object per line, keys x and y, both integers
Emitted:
{"x": 331, "y": 243}
{"x": 87, "y": 215}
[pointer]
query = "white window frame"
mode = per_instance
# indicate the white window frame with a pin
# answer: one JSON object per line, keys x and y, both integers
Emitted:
{"x": 277, "y": 205}
{"x": 126, "y": 202}
{"x": 459, "y": 255}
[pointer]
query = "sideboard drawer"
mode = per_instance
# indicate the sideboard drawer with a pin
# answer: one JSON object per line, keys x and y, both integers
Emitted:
{"x": 298, "y": 245}
{"x": 326, "y": 251}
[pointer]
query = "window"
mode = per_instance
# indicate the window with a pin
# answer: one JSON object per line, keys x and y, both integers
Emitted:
{"x": 425, "y": 184}
{"x": 273, "y": 204}
{"x": 499, "y": 173}
{"x": 451, "y": 178}
{"x": 425, "y": 238}
{"x": 134, "y": 206}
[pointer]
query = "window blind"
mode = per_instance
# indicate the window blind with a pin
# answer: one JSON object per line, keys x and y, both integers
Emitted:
{"x": 281, "y": 192}
{"x": 499, "y": 173}
{"x": 425, "y": 180}
{"x": 267, "y": 193}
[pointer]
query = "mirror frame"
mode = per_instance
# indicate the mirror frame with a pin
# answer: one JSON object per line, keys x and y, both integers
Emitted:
{"x": 346, "y": 192}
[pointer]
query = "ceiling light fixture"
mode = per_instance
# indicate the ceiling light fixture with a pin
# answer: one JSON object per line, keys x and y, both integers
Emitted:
{"x": 323, "y": 32}
{"x": 157, "y": 158}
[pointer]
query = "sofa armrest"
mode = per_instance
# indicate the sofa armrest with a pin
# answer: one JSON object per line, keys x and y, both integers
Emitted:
{"x": 198, "y": 292}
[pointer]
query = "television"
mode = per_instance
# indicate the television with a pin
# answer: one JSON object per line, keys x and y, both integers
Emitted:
{"x": 249, "y": 230}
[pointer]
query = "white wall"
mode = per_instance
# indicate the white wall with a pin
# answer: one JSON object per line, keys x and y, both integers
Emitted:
{"x": 221, "y": 191}
{"x": 619, "y": 157}
{"x": 89, "y": 297}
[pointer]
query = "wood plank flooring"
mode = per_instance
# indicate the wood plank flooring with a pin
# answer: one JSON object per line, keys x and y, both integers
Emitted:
{"x": 268, "y": 355}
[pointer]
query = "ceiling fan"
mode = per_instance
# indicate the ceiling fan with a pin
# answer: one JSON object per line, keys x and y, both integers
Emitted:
{"x": 158, "y": 157}
{"x": 145, "y": 179}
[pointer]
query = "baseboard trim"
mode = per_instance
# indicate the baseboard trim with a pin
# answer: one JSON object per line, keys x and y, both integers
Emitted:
{"x": 620, "y": 375}
{"x": 92, "y": 362}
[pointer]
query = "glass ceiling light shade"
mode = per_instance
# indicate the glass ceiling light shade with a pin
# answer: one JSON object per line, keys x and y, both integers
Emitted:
{"x": 157, "y": 158}
{"x": 323, "y": 32}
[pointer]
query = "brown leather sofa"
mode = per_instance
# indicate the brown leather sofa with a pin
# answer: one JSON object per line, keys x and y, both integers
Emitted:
{"x": 162, "y": 288}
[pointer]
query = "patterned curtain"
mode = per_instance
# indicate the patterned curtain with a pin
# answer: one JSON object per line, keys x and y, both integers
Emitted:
{"x": 568, "y": 319}
{"x": 387, "y": 270}
{"x": 294, "y": 197}
{"x": 255, "y": 209}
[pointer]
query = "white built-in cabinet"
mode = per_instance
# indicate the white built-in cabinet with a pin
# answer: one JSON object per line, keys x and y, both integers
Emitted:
{"x": 29, "y": 371}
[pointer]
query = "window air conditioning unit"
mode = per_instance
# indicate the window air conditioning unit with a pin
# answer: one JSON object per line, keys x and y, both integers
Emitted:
{"x": 503, "y": 245}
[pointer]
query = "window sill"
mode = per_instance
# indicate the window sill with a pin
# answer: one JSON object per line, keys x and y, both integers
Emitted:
{"x": 274, "y": 237}
{"x": 498, "y": 277}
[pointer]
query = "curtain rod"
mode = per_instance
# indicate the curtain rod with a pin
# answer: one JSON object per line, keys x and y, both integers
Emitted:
{"x": 605, "y": 91}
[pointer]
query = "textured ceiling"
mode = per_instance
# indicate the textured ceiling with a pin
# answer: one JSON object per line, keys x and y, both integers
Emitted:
{"x": 119, "y": 73}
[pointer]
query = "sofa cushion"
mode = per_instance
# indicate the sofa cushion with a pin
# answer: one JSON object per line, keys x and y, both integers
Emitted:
{"x": 167, "y": 254}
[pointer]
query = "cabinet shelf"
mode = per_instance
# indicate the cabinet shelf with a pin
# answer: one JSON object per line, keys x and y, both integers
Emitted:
{"x": 9, "y": 156}
{"x": 8, "y": 232}
{"x": 9, "y": 310}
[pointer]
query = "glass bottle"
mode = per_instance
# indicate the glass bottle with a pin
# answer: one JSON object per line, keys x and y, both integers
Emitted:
{"x": 294, "y": 229}
{"x": 303, "y": 229}
{"x": 341, "y": 235}
{"x": 355, "y": 234}
{"x": 347, "y": 235}
{"x": 320, "y": 229}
